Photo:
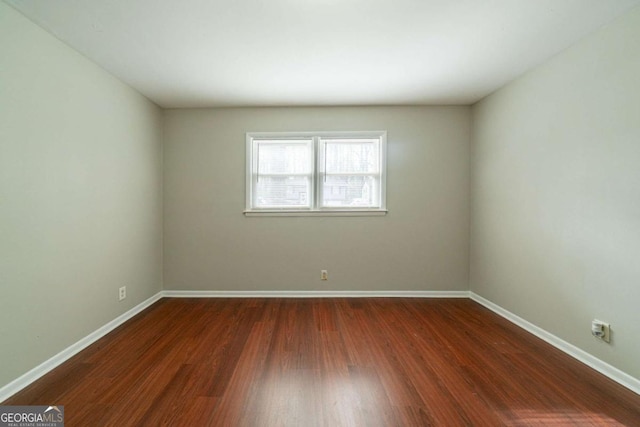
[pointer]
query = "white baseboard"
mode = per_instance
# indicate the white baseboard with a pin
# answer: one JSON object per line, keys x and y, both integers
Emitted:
{"x": 46, "y": 366}
{"x": 315, "y": 294}
{"x": 604, "y": 368}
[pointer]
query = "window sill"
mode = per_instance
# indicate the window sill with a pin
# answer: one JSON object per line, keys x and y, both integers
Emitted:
{"x": 376, "y": 212}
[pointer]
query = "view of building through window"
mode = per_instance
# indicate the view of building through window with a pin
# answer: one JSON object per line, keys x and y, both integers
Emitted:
{"x": 351, "y": 167}
{"x": 284, "y": 173}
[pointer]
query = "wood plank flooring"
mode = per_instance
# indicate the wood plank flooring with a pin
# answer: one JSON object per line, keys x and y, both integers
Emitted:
{"x": 327, "y": 362}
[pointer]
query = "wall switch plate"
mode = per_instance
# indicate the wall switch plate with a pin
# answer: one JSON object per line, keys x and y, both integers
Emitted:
{"x": 122, "y": 293}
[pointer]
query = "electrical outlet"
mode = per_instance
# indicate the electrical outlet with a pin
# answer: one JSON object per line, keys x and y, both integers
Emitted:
{"x": 601, "y": 330}
{"x": 324, "y": 275}
{"x": 122, "y": 293}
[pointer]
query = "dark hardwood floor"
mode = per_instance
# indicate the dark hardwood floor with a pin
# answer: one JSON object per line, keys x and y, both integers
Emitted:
{"x": 327, "y": 362}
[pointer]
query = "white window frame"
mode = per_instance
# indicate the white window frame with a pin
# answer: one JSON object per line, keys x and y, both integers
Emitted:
{"x": 317, "y": 174}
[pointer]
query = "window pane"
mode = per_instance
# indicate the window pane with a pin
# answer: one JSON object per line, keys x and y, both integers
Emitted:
{"x": 352, "y": 155}
{"x": 350, "y": 191}
{"x": 286, "y": 157}
{"x": 282, "y": 191}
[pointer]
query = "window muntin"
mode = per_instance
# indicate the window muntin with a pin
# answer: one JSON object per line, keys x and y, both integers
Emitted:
{"x": 321, "y": 172}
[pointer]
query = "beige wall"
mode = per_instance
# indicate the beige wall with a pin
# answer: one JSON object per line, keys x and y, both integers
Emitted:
{"x": 556, "y": 194}
{"x": 80, "y": 201}
{"x": 422, "y": 244}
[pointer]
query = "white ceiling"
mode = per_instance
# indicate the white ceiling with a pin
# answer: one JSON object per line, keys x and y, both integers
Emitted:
{"x": 199, "y": 53}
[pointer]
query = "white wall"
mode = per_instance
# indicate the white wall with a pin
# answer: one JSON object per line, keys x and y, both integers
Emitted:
{"x": 422, "y": 244}
{"x": 556, "y": 194}
{"x": 80, "y": 196}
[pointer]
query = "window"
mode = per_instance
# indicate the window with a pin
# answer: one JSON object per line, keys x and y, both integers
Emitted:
{"x": 316, "y": 173}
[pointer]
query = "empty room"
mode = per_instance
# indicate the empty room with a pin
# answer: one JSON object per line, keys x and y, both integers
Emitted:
{"x": 319, "y": 213}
